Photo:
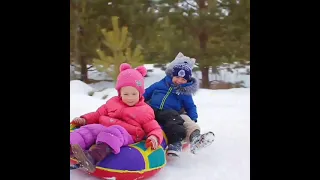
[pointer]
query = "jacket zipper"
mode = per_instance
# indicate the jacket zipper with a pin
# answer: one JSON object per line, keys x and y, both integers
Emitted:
{"x": 165, "y": 98}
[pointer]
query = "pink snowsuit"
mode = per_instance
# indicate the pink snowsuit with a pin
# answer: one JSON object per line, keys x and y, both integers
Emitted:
{"x": 119, "y": 125}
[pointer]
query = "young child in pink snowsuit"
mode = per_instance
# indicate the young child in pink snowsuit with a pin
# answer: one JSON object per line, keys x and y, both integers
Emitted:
{"x": 123, "y": 120}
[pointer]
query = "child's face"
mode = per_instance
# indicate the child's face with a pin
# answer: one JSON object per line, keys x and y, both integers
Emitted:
{"x": 129, "y": 95}
{"x": 178, "y": 80}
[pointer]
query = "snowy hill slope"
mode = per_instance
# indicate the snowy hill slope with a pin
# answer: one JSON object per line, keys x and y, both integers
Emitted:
{"x": 225, "y": 112}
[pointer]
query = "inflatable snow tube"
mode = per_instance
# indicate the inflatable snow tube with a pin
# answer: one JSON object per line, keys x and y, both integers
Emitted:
{"x": 133, "y": 162}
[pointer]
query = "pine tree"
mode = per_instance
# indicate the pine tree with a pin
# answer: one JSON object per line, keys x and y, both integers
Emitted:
{"x": 118, "y": 42}
{"x": 204, "y": 31}
{"x": 93, "y": 15}
{"x": 84, "y": 21}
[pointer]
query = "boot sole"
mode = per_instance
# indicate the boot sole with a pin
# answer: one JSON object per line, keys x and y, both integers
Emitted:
{"x": 205, "y": 140}
{"x": 173, "y": 153}
{"x": 82, "y": 159}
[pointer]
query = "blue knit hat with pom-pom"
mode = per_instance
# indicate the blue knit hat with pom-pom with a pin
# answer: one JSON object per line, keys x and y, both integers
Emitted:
{"x": 182, "y": 70}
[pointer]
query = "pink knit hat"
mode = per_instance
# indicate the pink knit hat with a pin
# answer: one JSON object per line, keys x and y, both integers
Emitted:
{"x": 131, "y": 77}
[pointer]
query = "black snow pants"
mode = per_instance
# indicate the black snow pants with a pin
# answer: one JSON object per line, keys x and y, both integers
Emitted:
{"x": 172, "y": 124}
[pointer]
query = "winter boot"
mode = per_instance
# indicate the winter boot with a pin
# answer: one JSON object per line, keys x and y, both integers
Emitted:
{"x": 90, "y": 158}
{"x": 194, "y": 137}
{"x": 174, "y": 149}
{"x": 199, "y": 141}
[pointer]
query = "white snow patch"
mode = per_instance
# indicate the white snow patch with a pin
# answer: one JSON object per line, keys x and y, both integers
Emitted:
{"x": 225, "y": 112}
{"x": 79, "y": 87}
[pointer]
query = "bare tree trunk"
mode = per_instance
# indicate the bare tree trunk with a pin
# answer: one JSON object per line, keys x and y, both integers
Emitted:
{"x": 203, "y": 39}
{"x": 205, "y": 77}
{"x": 79, "y": 59}
{"x": 84, "y": 70}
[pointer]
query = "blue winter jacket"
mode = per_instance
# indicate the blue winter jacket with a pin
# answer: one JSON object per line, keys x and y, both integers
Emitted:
{"x": 165, "y": 95}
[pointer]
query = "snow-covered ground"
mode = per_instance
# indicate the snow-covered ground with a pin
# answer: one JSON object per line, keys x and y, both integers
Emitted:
{"x": 225, "y": 112}
{"x": 237, "y": 75}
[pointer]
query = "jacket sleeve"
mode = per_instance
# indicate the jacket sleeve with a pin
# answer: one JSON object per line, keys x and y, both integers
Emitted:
{"x": 152, "y": 127}
{"x": 149, "y": 91}
{"x": 190, "y": 107}
{"x": 136, "y": 132}
{"x": 93, "y": 117}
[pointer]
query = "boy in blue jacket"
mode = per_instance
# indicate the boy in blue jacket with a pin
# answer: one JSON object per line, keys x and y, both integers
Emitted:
{"x": 169, "y": 97}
